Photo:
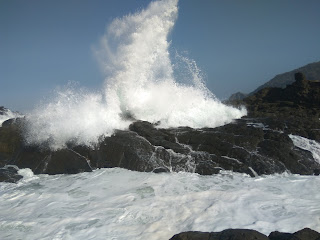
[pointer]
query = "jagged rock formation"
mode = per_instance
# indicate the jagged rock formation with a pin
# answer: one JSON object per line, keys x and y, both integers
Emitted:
{"x": 295, "y": 109}
{"x": 256, "y": 144}
{"x": 246, "y": 234}
{"x": 240, "y": 146}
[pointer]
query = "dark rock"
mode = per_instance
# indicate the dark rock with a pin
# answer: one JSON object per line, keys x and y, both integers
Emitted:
{"x": 161, "y": 170}
{"x": 157, "y": 137}
{"x": 125, "y": 149}
{"x": 239, "y": 234}
{"x": 307, "y": 234}
{"x": 14, "y": 151}
{"x": 51, "y": 162}
{"x": 229, "y": 234}
{"x": 65, "y": 161}
{"x": 282, "y": 236}
{"x": 304, "y": 234}
{"x": 9, "y": 174}
{"x": 191, "y": 236}
{"x": 246, "y": 234}
{"x": 300, "y": 78}
{"x": 11, "y": 140}
{"x": 207, "y": 168}
{"x": 299, "y": 101}
{"x": 242, "y": 146}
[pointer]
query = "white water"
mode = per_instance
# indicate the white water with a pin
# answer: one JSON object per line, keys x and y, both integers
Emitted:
{"x": 8, "y": 114}
{"x": 121, "y": 204}
{"x": 307, "y": 144}
{"x": 140, "y": 82}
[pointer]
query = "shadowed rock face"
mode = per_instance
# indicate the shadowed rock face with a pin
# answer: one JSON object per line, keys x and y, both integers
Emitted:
{"x": 11, "y": 140}
{"x": 246, "y": 234}
{"x": 298, "y": 99}
{"x": 244, "y": 146}
{"x": 14, "y": 151}
{"x": 9, "y": 174}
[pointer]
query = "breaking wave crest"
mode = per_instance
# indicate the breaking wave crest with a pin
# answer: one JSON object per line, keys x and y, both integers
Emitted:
{"x": 140, "y": 83}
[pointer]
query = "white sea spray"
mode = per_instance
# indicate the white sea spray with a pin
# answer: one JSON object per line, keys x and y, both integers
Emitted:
{"x": 307, "y": 144}
{"x": 8, "y": 114}
{"x": 140, "y": 83}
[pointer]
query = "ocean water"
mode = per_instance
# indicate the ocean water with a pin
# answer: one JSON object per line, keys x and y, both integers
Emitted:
{"x": 122, "y": 204}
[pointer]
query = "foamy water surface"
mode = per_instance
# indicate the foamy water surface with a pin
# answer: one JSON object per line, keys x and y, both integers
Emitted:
{"x": 121, "y": 204}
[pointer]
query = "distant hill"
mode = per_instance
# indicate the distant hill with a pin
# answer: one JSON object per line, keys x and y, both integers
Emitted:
{"x": 311, "y": 71}
{"x": 237, "y": 96}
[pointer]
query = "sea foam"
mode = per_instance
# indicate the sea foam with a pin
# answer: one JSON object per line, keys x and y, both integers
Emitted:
{"x": 122, "y": 204}
{"x": 140, "y": 84}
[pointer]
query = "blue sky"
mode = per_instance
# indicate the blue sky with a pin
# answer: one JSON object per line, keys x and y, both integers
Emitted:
{"x": 238, "y": 44}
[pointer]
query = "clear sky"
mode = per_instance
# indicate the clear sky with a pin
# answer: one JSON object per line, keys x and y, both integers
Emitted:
{"x": 238, "y": 44}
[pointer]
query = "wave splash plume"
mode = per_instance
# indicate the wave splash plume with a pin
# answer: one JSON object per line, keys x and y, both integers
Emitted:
{"x": 140, "y": 83}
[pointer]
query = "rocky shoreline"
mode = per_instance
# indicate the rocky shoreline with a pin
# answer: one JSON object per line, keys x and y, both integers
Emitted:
{"x": 257, "y": 144}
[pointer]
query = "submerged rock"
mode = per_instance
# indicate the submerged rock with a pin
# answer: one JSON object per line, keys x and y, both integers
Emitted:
{"x": 11, "y": 140}
{"x": 9, "y": 174}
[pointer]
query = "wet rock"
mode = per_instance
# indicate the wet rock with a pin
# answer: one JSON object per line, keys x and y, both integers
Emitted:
{"x": 10, "y": 140}
{"x": 65, "y": 161}
{"x": 124, "y": 149}
{"x": 247, "y": 234}
{"x": 157, "y": 137}
{"x": 307, "y": 233}
{"x": 9, "y": 174}
{"x": 316, "y": 172}
{"x": 304, "y": 234}
{"x": 282, "y": 236}
{"x": 40, "y": 159}
{"x": 191, "y": 236}
{"x": 51, "y": 162}
{"x": 295, "y": 109}
{"x": 229, "y": 234}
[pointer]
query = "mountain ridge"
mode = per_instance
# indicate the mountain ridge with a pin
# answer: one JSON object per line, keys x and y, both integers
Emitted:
{"x": 311, "y": 72}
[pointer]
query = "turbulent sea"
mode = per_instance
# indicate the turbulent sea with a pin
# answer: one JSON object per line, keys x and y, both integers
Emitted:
{"x": 143, "y": 81}
{"x": 121, "y": 204}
